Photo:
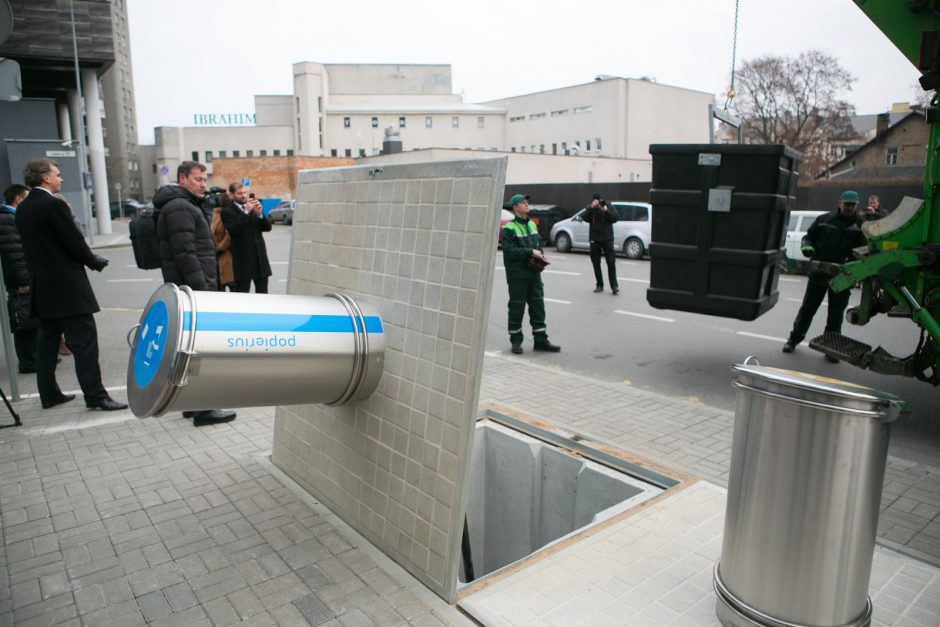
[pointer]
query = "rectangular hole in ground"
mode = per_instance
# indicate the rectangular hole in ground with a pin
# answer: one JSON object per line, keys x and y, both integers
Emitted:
{"x": 527, "y": 494}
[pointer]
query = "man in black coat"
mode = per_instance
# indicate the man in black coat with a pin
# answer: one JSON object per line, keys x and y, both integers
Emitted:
{"x": 62, "y": 298}
{"x": 245, "y": 224}
{"x": 16, "y": 277}
{"x": 187, "y": 252}
{"x": 601, "y": 217}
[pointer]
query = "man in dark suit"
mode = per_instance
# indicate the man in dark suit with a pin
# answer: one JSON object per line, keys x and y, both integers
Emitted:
{"x": 245, "y": 225}
{"x": 62, "y": 298}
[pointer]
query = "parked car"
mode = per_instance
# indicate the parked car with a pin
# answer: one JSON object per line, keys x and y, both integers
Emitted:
{"x": 800, "y": 221}
{"x": 131, "y": 208}
{"x": 284, "y": 212}
{"x": 631, "y": 232}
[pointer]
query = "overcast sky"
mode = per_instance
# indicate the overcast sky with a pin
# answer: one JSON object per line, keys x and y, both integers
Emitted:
{"x": 213, "y": 56}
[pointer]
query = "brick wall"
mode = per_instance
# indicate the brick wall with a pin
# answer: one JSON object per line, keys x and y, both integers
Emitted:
{"x": 271, "y": 177}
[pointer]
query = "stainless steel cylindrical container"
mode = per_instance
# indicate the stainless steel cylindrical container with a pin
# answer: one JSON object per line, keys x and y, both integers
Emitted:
{"x": 807, "y": 466}
{"x": 206, "y": 350}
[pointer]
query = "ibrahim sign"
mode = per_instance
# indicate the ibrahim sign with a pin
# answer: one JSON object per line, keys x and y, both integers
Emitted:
{"x": 223, "y": 119}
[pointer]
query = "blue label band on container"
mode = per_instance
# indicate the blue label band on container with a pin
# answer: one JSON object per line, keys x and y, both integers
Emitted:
{"x": 278, "y": 323}
{"x": 150, "y": 344}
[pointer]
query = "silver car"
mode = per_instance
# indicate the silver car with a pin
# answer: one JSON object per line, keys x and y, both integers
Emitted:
{"x": 284, "y": 212}
{"x": 631, "y": 232}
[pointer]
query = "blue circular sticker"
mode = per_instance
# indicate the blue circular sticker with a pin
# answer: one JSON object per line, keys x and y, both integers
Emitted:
{"x": 151, "y": 342}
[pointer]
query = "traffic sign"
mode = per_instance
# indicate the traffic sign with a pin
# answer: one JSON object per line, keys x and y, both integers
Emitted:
{"x": 246, "y": 181}
{"x": 164, "y": 170}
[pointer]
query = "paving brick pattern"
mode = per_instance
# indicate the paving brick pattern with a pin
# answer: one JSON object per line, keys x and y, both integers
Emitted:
{"x": 110, "y": 520}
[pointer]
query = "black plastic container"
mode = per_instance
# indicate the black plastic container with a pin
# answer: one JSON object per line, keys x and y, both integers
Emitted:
{"x": 720, "y": 215}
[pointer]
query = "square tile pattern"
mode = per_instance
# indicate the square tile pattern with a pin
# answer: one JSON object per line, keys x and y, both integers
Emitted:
{"x": 417, "y": 242}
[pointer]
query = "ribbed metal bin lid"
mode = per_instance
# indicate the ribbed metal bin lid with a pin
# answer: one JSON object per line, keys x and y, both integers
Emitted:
{"x": 823, "y": 392}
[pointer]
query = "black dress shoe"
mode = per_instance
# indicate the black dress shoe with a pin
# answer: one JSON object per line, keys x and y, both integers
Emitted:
{"x": 212, "y": 416}
{"x": 598, "y": 289}
{"x": 547, "y": 347}
{"x": 616, "y": 291}
{"x": 105, "y": 404}
{"x": 189, "y": 414}
{"x": 61, "y": 398}
{"x": 789, "y": 347}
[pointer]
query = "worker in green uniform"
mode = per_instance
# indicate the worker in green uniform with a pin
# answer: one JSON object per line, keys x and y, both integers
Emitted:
{"x": 832, "y": 237}
{"x": 523, "y": 259}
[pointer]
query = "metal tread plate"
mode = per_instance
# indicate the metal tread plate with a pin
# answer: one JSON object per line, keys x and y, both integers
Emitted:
{"x": 840, "y": 346}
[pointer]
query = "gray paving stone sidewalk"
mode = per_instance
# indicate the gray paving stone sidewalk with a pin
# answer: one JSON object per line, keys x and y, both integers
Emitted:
{"x": 107, "y": 519}
{"x": 695, "y": 438}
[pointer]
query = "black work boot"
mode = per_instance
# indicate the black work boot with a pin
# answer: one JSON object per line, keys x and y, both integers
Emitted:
{"x": 546, "y": 346}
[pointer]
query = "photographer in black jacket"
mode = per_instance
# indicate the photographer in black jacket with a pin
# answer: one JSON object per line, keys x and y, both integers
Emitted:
{"x": 600, "y": 216}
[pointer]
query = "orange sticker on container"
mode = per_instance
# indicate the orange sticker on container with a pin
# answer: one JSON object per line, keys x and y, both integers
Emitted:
{"x": 888, "y": 245}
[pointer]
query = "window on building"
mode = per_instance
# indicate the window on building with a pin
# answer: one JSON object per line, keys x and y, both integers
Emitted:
{"x": 195, "y": 155}
{"x": 290, "y": 152}
{"x": 455, "y": 122}
{"x": 428, "y": 121}
{"x": 249, "y": 153}
{"x": 277, "y": 153}
{"x": 564, "y": 147}
{"x": 263, "y": 153}
{"x": 536, "y": 116}
{"x": 891, "y": 156}
{"x": 517, "y": 118}
{"x": 333, "y": 152}
{"x": 208, "y": 156}
{"x": 597, "y": 144}
{"x": 349, "y": 152}
{"x": 587, "y": 144}
{"x": 375, "y": 122}
{"x": 542, "y": 148}
{"x": 154, "y": 168}
{"x": 236, "y": 153}
{"x": 319, "y": 104}
{"x": 559, "y": 112}
{"x": 221, "y": 154}
{"x": 521, "y": 148}
{"x": 401, "y": 122}
{"x": 513, "y": 149}
{"x": 362, "y": 152}
{"x": 554, "y": 149}
{"x": 584, "y": 109}
{"x": 346, "y": 123}
{"x": 480, "y": 121}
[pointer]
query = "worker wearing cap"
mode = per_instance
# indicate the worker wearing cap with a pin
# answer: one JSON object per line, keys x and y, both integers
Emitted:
{"x": 831, "y": 238}
{"x": 521, "y": 242}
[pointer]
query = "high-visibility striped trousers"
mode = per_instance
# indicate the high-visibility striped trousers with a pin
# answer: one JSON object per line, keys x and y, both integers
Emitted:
{"x": 524, "y": 292}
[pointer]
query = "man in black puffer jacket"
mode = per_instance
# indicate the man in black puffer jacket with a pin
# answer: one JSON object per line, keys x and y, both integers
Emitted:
{"x": 187, "y": 252}
{"x": 16, "y": 277}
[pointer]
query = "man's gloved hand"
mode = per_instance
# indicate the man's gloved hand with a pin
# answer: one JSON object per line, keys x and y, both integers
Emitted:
{"x": 808, "y": 251}
{"x": 99, "y": 264}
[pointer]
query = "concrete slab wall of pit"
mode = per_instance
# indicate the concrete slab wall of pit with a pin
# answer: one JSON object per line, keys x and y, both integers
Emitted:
{"x": 526, "y": 494}
{"x": 418, "y": 242}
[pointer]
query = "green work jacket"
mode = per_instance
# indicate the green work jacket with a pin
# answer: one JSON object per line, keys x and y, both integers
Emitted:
{"x": 518, "y": 239}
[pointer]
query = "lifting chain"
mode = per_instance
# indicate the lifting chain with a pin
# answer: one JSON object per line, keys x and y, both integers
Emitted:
{"x": 734, "y": 55}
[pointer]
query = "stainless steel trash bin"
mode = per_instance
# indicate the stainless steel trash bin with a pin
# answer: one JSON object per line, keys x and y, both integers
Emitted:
{"x": 204, "y": 350}
{"x": 807, "y": 466}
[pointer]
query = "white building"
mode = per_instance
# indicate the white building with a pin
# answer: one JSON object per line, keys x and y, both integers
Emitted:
{"x": 342, "y": 110}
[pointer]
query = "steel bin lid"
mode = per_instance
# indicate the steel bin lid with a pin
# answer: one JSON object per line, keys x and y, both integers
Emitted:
{"x": 819, "y": 391}
{"x": 155, "y": 345}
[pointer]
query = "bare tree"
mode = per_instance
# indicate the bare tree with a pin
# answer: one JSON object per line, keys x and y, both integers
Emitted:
{"x": 797, "y": 102}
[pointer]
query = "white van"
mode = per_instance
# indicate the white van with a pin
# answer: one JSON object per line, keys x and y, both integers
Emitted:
{"x": 800, "y": 222}
{"x": 631, "y": 232}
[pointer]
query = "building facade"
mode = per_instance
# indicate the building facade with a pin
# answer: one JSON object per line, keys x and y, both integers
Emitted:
{"x": 343, "y": 111}
{"x": 120, "y": 113}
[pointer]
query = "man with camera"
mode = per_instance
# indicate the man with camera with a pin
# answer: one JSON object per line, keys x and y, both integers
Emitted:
{"x": 524, "y": 261}
{"x": 62, "y": 298}
{"x": 600, "y": 217}
{"x": 245, "y": 224}
{"x": 187, "y": 251}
